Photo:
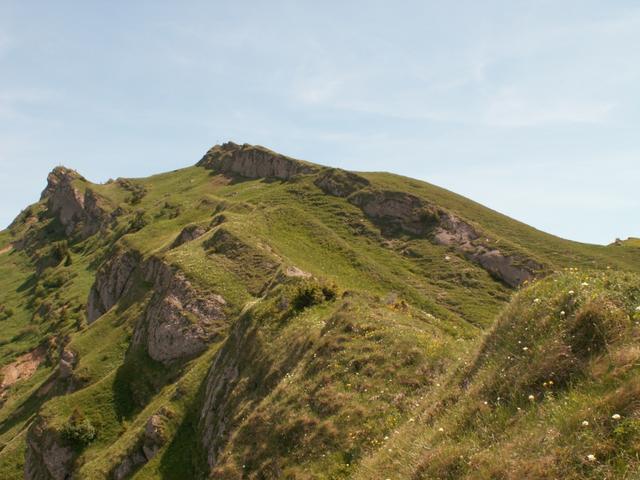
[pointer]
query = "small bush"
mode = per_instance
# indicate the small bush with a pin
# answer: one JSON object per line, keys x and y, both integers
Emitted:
{"x": 311, "y": 293}
{"x": 79, "y": 430}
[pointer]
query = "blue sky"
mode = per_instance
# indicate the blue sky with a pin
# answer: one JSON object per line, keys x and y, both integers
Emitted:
{"x": 531, "y": 108}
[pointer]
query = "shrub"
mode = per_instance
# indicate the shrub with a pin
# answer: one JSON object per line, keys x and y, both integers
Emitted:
{"x": 312, "y": 293}
{"x": 79, "y": 430}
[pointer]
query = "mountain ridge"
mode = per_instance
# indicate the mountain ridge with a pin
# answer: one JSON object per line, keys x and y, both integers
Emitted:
{"x": 258, "y": 316}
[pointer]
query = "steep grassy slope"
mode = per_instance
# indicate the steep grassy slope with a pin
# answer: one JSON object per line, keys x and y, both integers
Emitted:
{"x": 552, "y": 392}
{"x": 256, "y": 316}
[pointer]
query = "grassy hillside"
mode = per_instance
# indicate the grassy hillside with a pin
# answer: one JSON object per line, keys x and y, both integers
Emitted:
{"x": 310, "y": 323}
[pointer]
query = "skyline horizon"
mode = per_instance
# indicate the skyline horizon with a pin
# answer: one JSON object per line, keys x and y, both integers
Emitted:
{"x": 111, "y": 178}
{"x": 531, "y": 109}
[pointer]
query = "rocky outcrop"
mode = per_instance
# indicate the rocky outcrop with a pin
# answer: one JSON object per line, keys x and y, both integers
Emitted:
{"x": 149, "y": 444}
{"x": 403, "y": 212}
{"x": 340, "y": 183}
{"x": 113, "y": 280}
{"x": 397, "y": 210}
{"x": 47, "y": 456}
{"x": 215, "y": 419}
{"x": 252, "y": 161}
{"x": 68, "y": 361}
{"x": 463, "y": 237}
{"x": 80, "y": 213}
{"x": 188, "y": 234}
{"x": 180, "y": 321}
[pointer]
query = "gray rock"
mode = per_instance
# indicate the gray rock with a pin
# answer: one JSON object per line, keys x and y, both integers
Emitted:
{"x": 340, "y": 183}
{"x": 113, "y": 280}
{"x": 188, "y": 234}
{"x": 79, "y": 213}
{"x": 68, "y": 361}
{"x": 252, "y": 161}
{"x": 179, "y": 322}
{"x": 46, "y": 457}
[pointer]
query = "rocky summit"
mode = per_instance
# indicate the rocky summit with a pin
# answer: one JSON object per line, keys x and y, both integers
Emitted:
{"x": 256, "y": 316}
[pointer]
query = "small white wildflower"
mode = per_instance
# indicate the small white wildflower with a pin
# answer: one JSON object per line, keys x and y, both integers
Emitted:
{"x": 441, "y": 429}
{"x": 532, "y": 398}
{"x": 525, "y": 348}
{"x": 591, "y": 457}
{"x": 447, "y": 257}
{"x": 585, "y": 284}
{"x": 562, "y": 313}
{"x": 571, "y": 292}
{"x": 585, "y": 423}
{"x": 536, "y": 300}
{"x": 486, "y": 403}
{"x": 638, "y": 308}
{"x": 615, "y": 416}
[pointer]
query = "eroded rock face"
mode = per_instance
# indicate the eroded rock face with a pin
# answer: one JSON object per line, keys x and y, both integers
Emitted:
{"x": 47, "y": 457}
{"x": 252, "y": 161}
{"x": 399, "y": 211}
{"x": 68, "y": 361}
{"x": 179, "y": 322}
{"x": 79, "y": 213}
{"x": 188, "y": 234}
{"x": 221, "y": 380}
{"x": 340, "y": 183}
{"x": 149, "y": 444}
{"x": 113, "y": 281}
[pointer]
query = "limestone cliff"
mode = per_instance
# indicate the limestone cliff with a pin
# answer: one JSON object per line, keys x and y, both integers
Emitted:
{"x": 80, "y": 212}
{"x": 253, "y": 162}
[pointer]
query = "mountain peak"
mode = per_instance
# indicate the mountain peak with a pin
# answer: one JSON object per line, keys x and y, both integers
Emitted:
{"x": 58, "y": 177}
{"x": 254, "y": 161}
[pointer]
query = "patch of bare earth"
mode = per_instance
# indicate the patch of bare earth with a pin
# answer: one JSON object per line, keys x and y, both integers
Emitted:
{"x": 6, "y": 249}
{"x": 21, "y": 369}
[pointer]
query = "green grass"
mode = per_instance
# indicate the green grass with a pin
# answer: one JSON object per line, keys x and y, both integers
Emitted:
{"x": 517, "y": 407}
{"x": 416, "y": 339}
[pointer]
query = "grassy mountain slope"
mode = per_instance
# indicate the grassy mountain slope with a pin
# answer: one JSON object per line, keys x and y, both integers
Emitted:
{"x": 256, "y": 316}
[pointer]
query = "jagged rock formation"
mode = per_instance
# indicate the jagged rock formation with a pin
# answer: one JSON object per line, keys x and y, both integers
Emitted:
{"x": 113, "y": 280}
{"x": 218, "y": 406}
{"x": 80, "y": 213}
{"x": 253, "y": 162}
{"x": 188, "y": 234}
{"x": 150, "y": 442}
{"x": 340, "y": 183}
{"x": 47, "y": 456}
{"x": 67, "y": 363}
{"x": 179, "y": 321}
{"x": 464, "y": 238}
{"x": 400, "y": 211}
{"x": 310, "y": 323}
